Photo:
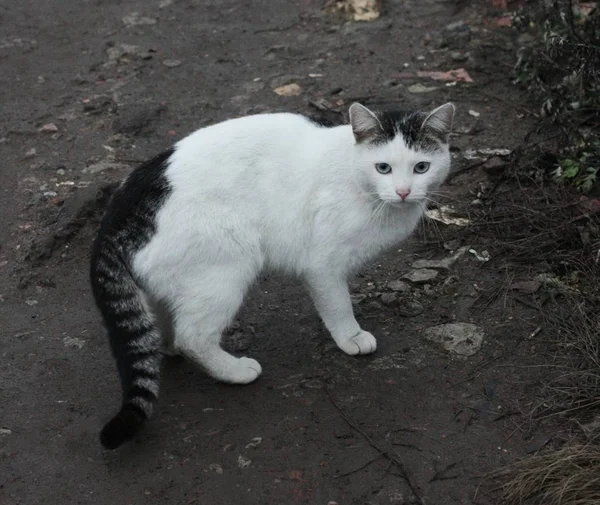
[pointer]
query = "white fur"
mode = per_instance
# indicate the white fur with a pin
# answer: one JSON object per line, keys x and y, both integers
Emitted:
{"x": 275, "y": 191}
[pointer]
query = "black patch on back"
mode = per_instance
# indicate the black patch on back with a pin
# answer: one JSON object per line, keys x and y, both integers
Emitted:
{"x": 323, "y": 121}
{"x": 129, "y": 221}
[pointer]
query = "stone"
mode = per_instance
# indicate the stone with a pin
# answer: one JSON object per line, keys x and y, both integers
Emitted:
{"x": 134, "y": 19}
{"x": 357, "y": 299}
{"x": 410, "y": 308}
{"x": 104, "y": 165}
{"x": 136, "y": 119}
{"x": 461, "y": 339}
{"x": 292, "y": 89}
{"x": 389, "y": 299}
{"x": 421, "y": 276}
{"x": 527, "y": 287}
{"x": 171, "y": 63}
{"x": 443, "y": 264}
{"x": 398, "y": 286}
{"x": 48, "y": 128}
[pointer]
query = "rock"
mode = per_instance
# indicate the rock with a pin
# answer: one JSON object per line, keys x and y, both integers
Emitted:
{"x": 171, "y": 63}
{"x": 494, "y": 164}
{"x": 462, "y": 339}
{"x": 373, "y": 307}
{"x": 528, "y": 287}
{"x": 443, "y": 264}
{"x": 137, "y": 119}
{"x": 589, "y": 429}
{"x": 357, "y": 299}
{"x": 31, "y": 153}
{"x": 458, "y": 56}
{"x": 48, "y": 128}
{"x": 215, "y": 467}
{"x": 398, "y": 286}
{"x": 5, "y": 431}
{"x": 255, "y": 442}
{"x": 456, "y": 35}
{"x": 125, "y": 53}
{"x": 389, "y": 299}
{"x": 292, "y": 89}
{"x": 73, "y": 342}
{"x": 98, "y": 104}
{"x": 103, "y": 165}
{"x": 409, "y": 308}
{"x": 134, "y": 19}
{"x": 82, "y": 205}
{"x": 243, "y": 462}
{"x": 421, "y": 276}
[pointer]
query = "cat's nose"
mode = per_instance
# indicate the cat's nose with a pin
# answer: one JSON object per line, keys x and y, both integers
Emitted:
{"x": 403, "y": 193}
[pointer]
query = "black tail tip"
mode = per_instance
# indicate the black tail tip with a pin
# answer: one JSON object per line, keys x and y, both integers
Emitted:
{"x": 121, "y": 428}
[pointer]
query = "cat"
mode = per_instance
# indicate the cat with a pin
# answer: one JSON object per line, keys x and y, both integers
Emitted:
{"x": 189, "y": 231}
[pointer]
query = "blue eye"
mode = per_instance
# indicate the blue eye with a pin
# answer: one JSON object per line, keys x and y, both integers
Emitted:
{"x": 383, "y": 168}
{"x": 421, "y": 167}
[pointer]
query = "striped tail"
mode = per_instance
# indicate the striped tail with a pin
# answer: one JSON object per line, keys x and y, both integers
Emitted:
{"x": 135, "y": 341}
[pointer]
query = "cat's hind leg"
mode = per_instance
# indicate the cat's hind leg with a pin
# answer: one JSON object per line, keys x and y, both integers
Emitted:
{"x": 202, "y": 312}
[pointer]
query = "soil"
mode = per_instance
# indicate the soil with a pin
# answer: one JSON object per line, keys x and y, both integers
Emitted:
{"x": 300, "y": 434}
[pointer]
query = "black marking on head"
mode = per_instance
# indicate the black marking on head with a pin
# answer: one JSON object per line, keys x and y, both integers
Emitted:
{"x": 408, "y": 124}
{"x": 419, "y": 130}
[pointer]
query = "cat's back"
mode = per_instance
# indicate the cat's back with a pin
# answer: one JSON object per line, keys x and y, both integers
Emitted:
{"x": 247, "y": 138}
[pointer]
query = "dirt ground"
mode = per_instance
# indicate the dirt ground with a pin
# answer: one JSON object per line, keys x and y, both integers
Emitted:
{"x": 80, "y": 109}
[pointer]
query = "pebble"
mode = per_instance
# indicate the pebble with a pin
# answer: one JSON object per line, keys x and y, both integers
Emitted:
{"x": 410, "y": 308}
{"x": 134, "y": 19}
{"x": 5, "y": 431}
{"x": 243, "y": 462}
{"x": 462, "y": 339}
{"x": 357, "y": 299}
{"x": 388, "y": 299}
{"x": 171, "y": 63}
{"x": 421, "y": 276}
{"x": 73, "y": 342}
{"x": 48, "y": 128}
{"x": 398, "y": 286}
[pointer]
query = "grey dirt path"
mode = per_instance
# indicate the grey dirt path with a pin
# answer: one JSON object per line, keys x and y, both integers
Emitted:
{"x": 110, "y": 83}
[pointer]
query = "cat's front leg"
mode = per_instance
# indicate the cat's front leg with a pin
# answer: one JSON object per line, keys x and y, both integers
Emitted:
{"x": 332, "y": 300}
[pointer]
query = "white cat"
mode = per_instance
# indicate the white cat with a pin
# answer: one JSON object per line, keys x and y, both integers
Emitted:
{"x": 190, "y": 231}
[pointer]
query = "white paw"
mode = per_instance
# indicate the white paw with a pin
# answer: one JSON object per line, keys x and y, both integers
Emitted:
{"x": 245, "y": 371}
{"x": 362, "y": 343}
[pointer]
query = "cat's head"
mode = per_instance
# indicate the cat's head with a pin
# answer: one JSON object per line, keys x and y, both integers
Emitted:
{"x": 401, "y": 157}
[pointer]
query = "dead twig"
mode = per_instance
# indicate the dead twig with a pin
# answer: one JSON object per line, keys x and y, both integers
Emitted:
{"x": 345, "y": 474}
{"x": 393, "y": 458}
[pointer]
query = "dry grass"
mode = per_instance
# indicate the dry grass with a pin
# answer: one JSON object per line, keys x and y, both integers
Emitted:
{"x": 570, "y": 476}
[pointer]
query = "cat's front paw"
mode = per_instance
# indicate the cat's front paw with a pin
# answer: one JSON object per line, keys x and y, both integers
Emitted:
{"x": 361, "y": 343}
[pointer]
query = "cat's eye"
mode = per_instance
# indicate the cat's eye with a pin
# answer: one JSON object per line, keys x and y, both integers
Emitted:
{"x": 383, "y": 168}
{"x": 421, "y": 167}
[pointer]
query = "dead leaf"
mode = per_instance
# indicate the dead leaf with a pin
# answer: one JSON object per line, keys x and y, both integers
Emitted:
{"x": 446, "y": 215}
{"x": 460, "y": 74}
{"x": 359, "y": 10}
{"x": 292, "y": 89}
{"x": 421, "y": 88}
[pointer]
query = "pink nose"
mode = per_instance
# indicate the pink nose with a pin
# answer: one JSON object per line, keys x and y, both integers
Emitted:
{"x": 403, "y": 193}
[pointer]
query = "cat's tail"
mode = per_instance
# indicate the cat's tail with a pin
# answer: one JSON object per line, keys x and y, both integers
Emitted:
{"x": 135, "y": 341}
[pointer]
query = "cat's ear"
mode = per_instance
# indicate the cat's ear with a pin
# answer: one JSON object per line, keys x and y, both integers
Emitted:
{"x": 365, "y": 125}
{"x": 439, "y": 121}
